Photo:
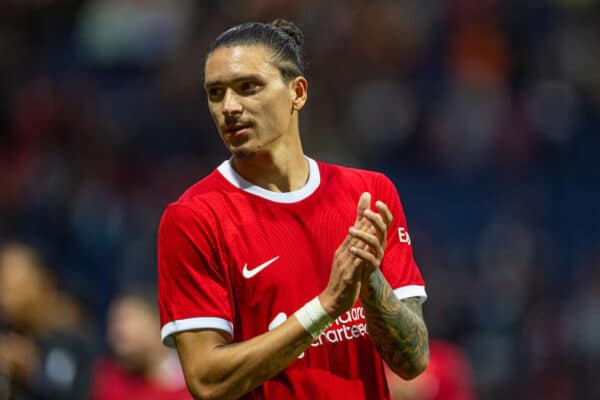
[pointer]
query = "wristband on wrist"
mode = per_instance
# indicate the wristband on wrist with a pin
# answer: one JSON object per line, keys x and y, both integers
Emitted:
{"x": 313, "y": 317}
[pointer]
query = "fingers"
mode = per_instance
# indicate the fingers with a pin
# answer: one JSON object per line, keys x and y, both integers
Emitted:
{"x": 363, "y": 248}
{"x": 364, "y": 203}
{"x": 350, "y": 240}
{"x": 366, "y": 256}
{"x": 377, "y": 221}
{"x": 385, "y": 212}
{"x": 370, "y": 240}
{"x": 370, "y": 221}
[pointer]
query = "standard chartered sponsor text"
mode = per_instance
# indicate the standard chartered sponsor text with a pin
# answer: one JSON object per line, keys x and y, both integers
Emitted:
{"x": 348, "y": 326}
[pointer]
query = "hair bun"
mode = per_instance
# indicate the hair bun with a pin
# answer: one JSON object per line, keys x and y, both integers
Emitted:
{"x": 290, "y": 29}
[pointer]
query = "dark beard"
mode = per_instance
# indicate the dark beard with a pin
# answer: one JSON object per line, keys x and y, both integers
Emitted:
{"x": 242, "y": 154}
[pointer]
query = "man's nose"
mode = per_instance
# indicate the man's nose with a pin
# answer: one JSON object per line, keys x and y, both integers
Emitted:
{"x": 231, "y": 104}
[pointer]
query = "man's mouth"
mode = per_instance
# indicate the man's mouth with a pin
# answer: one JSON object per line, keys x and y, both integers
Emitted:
{"x": 236, "y": 129}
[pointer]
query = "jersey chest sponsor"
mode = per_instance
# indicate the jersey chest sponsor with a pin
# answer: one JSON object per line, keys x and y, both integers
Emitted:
{"x": 349, "y": 326}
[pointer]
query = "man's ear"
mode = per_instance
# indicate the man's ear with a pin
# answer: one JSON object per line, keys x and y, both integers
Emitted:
{"x": 299, "y": 88}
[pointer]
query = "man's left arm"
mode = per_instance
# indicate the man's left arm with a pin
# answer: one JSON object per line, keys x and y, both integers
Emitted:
{"x": 396, "y": 326}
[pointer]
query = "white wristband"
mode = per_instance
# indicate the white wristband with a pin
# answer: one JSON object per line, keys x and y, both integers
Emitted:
{"x": 313, "y": 317}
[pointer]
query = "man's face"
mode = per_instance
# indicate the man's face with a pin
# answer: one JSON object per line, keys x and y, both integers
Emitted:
{"x": 248, "y": 99}
{"x": 132, "y": 333}
{"x": 23, "y": 286}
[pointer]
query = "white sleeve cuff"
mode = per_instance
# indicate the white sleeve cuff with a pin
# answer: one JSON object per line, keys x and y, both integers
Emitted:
{"x": 189, "y": 324}
{"x": 405, "y": 292}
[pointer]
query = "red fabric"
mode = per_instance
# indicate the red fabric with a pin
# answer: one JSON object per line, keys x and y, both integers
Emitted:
{"x": 216, "y": 230}
{"x": 448, "y": 376}
{"x": 111, "y": 382}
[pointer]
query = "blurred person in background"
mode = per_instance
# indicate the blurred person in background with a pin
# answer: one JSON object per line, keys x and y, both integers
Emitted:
{"x": 447, "y": 377}
{"x": 253, "y": 243}
{"x": 139, "y": 367}
{"x": 45, "y": 350}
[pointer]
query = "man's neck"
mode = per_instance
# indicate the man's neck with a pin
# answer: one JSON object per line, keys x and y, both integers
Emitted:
{"x": 277, "y": 173}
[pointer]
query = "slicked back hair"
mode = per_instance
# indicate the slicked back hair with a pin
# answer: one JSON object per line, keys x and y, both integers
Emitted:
{"x": 283, "y": 38}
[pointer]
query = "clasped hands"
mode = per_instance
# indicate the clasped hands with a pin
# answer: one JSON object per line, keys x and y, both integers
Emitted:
{"x": 358, "y": 256}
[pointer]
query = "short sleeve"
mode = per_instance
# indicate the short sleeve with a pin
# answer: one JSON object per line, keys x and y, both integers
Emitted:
{"x": 399, "y": 266}
{"x": 193, "y": 285}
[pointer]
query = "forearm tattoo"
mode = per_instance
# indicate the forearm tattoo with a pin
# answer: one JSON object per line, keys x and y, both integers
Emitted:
{"x": 396, "y": 326}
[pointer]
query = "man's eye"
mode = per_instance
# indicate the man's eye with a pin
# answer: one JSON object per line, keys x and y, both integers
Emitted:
{"x": 215, "y": 93}
{"x": 248, "y": 86}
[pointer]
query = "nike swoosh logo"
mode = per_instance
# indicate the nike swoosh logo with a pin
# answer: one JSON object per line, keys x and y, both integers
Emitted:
{"x": 249, "y": 273}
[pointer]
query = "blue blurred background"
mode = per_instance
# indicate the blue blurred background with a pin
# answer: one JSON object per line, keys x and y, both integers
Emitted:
{"x": 486, "y": 115}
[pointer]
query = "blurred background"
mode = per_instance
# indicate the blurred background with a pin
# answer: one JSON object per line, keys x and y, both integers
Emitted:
{"x": 485, "y": 114}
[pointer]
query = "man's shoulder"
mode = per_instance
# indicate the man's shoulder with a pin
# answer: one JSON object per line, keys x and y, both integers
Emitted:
{"x": 335, "y": 172}
{"x": 200, "y": 197}
{"x": 205, "y": 187}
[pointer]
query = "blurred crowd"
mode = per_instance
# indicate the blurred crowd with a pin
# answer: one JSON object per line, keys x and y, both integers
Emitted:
{"x": 49, "y": 350}
{"x": 486, "y": 115}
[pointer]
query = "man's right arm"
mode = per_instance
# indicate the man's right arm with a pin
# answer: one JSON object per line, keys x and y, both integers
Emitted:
{"x": 215, "y": 368}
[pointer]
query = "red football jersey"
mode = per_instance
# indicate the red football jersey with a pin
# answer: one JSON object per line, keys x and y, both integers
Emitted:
{"x": 235, "y": 257}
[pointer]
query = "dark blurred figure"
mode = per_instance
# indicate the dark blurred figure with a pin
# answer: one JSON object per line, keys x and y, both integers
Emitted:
{"x": 448, "y": 377}
{"x": 44, "y": 352}
{"x": 140, "y": 367}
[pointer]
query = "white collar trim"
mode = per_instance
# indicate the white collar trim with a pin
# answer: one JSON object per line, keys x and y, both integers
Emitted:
{"x": 314, "y": 179}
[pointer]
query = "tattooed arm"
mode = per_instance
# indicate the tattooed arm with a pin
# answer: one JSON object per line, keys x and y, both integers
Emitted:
{"x": 396, "y": 326}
